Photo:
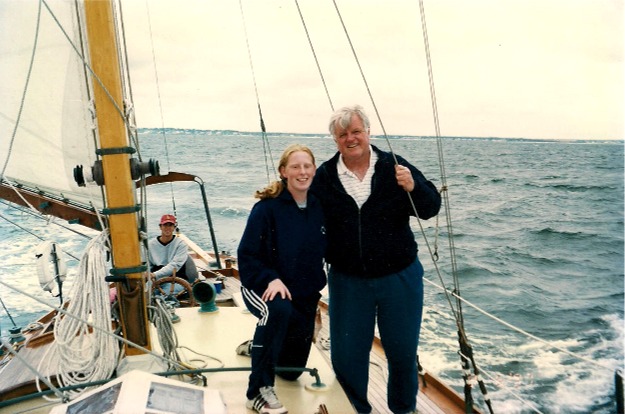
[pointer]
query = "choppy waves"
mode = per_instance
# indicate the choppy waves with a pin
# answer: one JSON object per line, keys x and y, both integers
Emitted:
{"x": 538, "y": 231}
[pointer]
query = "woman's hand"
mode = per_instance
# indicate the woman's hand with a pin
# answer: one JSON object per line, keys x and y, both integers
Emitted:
{"x": 276, "y": 286}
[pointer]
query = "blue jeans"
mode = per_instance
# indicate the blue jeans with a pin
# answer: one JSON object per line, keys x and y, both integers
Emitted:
{"x": 396, "y": 301}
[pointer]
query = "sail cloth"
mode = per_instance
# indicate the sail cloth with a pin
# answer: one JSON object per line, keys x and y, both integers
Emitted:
{"x": 45, "y": 76}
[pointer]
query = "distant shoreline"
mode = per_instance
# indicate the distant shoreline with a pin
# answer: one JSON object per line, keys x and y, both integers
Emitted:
{"x": 208, "y": 132}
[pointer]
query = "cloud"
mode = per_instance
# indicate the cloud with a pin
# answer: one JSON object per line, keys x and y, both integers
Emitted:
{"x": 534, "y": 69}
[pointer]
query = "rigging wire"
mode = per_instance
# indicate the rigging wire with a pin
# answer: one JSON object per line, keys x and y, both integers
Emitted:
{"x": 515, "y": 394}
{"x": 120, "y": 33}
{"x": 550, "y": 344}
{"x": 379, "y": 118}
{"x": 388, "y": 142}
{"x": 312, "y": 49}
{"x": 7, "y": 312}
{"x": 90, "y": 324}
{"x": 465, "y": 346}
{"x": 160, "y": 106}
{"x": 464, "y": 343}
{"x": 85, "y": 63}
{"x": 266, "y": 147}
{"x": 364, "y": 79}
{"x": 441, "y": 159}
{"x": 82, "y": 35}
{"x": 79, "y": 52}
{"x": 132, "y": 122}
{"x": 39, "y": 216}
{"x": 39, "y": 237}
{"x": 39, "y": 377}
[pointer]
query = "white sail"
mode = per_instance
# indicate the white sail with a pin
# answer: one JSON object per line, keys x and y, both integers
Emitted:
{"x": 41, "y": 56}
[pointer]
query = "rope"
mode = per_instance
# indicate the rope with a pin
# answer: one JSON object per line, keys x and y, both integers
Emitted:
{"x": 167, "y": 337}
{"x": 456, "y": 316}
{"x": 21, "y": 109}
{"x": 7, "y": 312}
{"x": 82, "y": 356}
{"x": 516, "y": 395}
{"x": 161, "y": 317}
{"x": 39, "y": 237}
{"x": 457, "y": 313}
{"x": 85, "y": 322}
{"x": 160, "y": 107}
{"x": 85, "y": 63}
{"x": 266, "y": 147}
{"x": 104, "y": 330}
{"x": 221, "y": 363}
{"x": 462, "y": 337}
{"x": 519, "y": 330}
{"x": 16, "y": 354}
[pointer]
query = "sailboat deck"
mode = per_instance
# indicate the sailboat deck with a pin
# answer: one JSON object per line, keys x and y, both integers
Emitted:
{"x": 431, "y": 399}
{"x": 218, "y": 335}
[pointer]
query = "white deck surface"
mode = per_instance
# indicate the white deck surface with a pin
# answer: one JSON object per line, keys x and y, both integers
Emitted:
{"x": 218, "y": 334}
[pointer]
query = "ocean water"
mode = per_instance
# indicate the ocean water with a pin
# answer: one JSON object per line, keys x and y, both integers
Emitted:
{"x": 538, "y": 232}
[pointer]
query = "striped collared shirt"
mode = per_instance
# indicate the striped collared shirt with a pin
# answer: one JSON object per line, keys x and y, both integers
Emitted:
{"x": 359, "y": 190}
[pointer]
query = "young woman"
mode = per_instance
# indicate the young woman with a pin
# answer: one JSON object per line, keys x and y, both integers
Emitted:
{"x": 281, "y": 268}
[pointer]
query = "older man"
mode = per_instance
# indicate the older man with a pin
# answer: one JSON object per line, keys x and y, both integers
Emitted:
{"x": 375, "y": 273}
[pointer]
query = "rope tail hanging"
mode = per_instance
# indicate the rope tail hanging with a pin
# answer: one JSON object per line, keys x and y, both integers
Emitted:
{"x": 266, "y": 148}
{"x": 466, "y": 350}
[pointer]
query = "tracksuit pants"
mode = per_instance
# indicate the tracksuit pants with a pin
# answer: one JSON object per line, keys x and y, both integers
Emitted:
{"x": 282, "y": 338}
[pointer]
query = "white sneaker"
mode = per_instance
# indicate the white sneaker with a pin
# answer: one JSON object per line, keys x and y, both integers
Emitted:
{"x": 266, "y": 402}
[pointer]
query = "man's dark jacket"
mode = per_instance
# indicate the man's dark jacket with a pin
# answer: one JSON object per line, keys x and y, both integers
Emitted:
{"x": 375, "y": 240}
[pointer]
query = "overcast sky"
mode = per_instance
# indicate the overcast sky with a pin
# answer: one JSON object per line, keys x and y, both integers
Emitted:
{"x": 550, "y": 69}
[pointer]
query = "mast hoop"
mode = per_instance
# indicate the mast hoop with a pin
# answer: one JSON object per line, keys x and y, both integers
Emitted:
{"x": 115, "y": 151}
{"x": 128, "y": 270}
{"x": 122, "y": 210}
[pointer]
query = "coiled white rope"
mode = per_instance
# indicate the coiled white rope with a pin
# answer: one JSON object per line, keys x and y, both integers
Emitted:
{"x": 161, "y": 318}
{"x": 80, "y": 355}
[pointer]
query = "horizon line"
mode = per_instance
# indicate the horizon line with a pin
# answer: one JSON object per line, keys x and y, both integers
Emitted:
{"x": 313, "y": 134}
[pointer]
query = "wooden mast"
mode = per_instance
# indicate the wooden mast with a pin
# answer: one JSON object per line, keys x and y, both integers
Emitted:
{"x": 119, "y": 186}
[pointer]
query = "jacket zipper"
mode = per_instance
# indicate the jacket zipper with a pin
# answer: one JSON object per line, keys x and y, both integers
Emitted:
{"x": 360, "y": 249}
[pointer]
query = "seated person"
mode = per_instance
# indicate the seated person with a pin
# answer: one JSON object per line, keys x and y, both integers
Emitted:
{"x": 168, "y": 253}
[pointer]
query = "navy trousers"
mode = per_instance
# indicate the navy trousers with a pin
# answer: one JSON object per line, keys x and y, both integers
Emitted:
{"x": 396, "y": 302}
{"x": 283, "y": 337}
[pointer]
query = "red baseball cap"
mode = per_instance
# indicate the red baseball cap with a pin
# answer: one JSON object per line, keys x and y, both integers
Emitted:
{"x": 168, "y": 218}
